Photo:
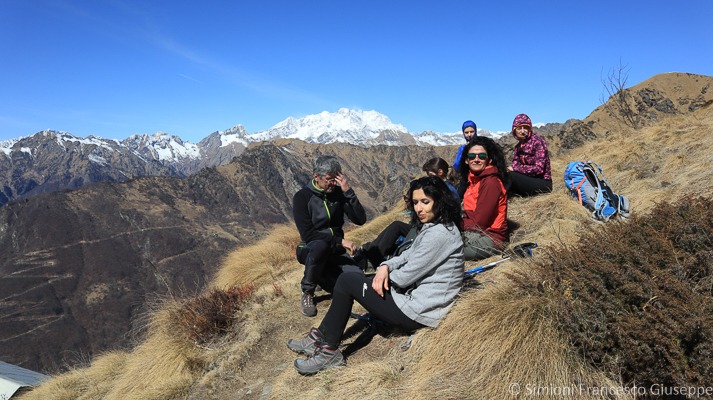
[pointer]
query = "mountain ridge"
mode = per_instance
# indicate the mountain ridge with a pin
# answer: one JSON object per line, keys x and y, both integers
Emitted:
{"x": 56, "y": 160}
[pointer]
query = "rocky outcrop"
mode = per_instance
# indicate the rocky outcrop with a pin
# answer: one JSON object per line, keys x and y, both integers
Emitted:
{"x": 646, "y": 103}
{"x": 656, "y": 98}
{"x": 216, "y": 150}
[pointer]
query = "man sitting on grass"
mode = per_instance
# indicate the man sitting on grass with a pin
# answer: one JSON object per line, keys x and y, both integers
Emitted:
{"x": 318, "y": 210}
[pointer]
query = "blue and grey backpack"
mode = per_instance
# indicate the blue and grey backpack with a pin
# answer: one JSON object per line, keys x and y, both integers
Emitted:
{"x": 586, "y": 184}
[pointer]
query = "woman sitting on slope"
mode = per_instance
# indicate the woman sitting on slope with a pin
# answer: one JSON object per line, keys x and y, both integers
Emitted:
{"x": 530, "y": 171}
{"x": 485, "y": 202}
{"x": 410, "y": 291}
{"x": 439, "y": 167}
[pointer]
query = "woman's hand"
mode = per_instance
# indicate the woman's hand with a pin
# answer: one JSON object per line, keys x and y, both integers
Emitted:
{"x": 380, "y": 284}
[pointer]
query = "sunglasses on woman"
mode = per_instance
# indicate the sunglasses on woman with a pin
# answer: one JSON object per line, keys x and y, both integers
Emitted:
{"x": 482, "y": 156}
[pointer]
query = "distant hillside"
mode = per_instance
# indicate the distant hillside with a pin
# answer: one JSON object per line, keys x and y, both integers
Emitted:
{"x": 78, "y": 267}
{"x": 590, "y": 320}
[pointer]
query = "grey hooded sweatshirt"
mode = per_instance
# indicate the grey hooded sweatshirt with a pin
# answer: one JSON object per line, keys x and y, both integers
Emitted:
{"x": 426, "y": 278}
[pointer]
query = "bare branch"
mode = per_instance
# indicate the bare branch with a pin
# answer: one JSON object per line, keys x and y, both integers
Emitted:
{"x": 617, "y": 98}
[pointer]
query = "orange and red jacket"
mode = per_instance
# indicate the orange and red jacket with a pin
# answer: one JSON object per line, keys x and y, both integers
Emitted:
{"x": 485, "y": 203}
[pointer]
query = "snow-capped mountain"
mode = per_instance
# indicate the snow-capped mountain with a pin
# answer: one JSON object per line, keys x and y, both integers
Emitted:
{"x": 430, "y": 138}
{"x": 343, "y": 126}
{"x": 236, "y": 134}
{"x": 220, "y": 147}
{"x": 52, "y": 160}
{"x": 162, "y": 147}
{"x": 366, "y": 128}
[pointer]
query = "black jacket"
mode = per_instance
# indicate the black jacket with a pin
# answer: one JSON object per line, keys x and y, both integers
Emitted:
{"x": 320, "y": 216}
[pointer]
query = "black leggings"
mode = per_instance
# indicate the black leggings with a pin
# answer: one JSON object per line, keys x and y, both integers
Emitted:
{"x": 355, "y": 286}
{"x": 523, "y": 185}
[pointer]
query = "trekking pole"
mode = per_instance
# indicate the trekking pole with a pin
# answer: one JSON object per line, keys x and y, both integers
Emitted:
{"x": 484, "y": 268}
{"x": 521, "y": 250}
{"x": 366, "y": 317}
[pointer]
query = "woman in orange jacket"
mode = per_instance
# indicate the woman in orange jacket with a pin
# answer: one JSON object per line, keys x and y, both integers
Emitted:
{"x": 485, "y": 204}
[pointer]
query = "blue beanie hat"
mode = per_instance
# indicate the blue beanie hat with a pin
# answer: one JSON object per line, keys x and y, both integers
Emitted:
{"x": 467, "y": 124}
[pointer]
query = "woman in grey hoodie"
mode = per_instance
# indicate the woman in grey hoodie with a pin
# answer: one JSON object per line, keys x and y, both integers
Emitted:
{"x": 410, "y": 291}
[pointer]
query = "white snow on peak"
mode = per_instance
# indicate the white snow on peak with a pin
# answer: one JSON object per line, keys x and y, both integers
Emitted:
{"x": 430, "y": 138}
{"x": 98, "y": 159}
{"x": 6, "y": 145}
{"x": 344, "y": 125}
{"x": 236, "y": 134}
{"x": 163, "y": 146}
{"x": 63, "y": 137}
{"x": 184, "y": 150}
{"x": 227, "y": 140}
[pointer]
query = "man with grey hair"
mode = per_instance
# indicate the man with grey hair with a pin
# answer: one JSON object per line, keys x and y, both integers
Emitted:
{"x": 318, "y": 210}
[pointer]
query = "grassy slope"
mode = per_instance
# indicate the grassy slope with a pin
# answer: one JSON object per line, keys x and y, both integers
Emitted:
{"x": 495, "y": 335}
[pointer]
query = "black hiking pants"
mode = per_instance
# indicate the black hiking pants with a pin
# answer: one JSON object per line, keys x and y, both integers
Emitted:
{"x": 322, "y": 266}
{"x": 523, "y": 185}
{"x": 356, "y": 286}
{"x": 385, "y": 243}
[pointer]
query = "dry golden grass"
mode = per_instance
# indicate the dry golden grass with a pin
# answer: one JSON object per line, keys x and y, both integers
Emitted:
{"x": 496, "y": 342}
{"x": 83, "y": 383}
{"x": 494, "y": 336}
{"x": 260, "y": 263}
{"x": 161, "y": 367}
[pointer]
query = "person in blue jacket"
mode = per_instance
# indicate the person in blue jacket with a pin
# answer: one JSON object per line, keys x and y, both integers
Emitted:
{"x": 470, "y": 130}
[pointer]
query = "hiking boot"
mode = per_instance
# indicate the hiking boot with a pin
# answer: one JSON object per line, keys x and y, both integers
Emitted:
{"x": 309, "y": 344}
{"x": 308, "y": 307}
{"x": 361, "y": 259}
{"x": 324, "y": 357}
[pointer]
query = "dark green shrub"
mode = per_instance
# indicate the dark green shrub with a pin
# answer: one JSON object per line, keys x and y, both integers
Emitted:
{"x": 636, "y": 298}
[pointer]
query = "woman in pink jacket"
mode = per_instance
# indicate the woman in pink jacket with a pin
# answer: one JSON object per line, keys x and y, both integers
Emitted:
{"x": 530, "y": 172}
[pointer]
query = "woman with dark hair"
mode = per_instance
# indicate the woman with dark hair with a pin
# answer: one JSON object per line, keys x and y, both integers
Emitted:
{"x": 410, "y": 291}
{"x": 439, "y": 167}
{"x": 485, "y": 203}
{"x": 530, "y": 172}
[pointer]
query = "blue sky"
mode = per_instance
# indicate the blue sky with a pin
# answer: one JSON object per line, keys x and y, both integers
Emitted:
{"x": 113, "y": 68}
